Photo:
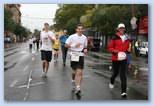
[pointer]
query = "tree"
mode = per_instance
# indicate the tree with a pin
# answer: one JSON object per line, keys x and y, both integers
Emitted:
{"x": 87, "y": 18}
{"x": 71, "y": 25}
{"x": 106, "y": 18}
{"x": 68, "y": 12}
{"x": 103, "y": 17}
{"x": 9, "y": 24}
{"x": 36, "y": 33}
{"x": 21, "y": 31}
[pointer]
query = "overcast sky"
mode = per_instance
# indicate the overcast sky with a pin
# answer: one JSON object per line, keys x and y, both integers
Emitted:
{"x": 34, "y": 15}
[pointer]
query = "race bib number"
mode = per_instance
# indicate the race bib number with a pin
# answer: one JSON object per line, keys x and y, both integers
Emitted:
{"x": 75, "y": 57}
{"x": 121, "y": 56}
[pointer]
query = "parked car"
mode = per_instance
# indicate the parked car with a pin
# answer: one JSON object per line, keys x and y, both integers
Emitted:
{"x": 7, "y": 39}
{"x": 143, "y": 49}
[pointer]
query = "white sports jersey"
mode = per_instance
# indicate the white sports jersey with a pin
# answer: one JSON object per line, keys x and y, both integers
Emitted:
{"x": 75, "y": 39}
{"x": 46, "y": 41}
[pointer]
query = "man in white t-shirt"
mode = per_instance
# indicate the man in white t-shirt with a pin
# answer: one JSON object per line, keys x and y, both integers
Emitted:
{"x": 34, "y": 41}
{"x": 47, "y": 38}
{"x": 77, "y": 44}
{"x": 30, "y": 44}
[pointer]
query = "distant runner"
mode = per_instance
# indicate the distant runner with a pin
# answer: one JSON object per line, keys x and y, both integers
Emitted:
{"x": 63, "y": 39}
{"x": 56, "y": 47}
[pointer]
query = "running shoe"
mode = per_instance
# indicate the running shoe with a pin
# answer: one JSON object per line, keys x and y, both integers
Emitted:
{"x": 124, "y": 95}
{"x": 44, "y": 75}
{"x": 78, "y": 90}
{"x": 111, "y": 86}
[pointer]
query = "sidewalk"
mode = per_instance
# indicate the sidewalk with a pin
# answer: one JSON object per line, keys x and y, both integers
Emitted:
{"x": 12, "y": 50}
{"x": 137, "y": 76}
{"x": 12, "y": 45}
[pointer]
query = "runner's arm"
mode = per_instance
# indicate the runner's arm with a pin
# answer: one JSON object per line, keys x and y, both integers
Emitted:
{"x": 85, "y": 50}
{"x": 111, "y": 47}
{"x": 68, "y": 43}
{"x": 40, "y": 38}
{"x": 51, "y": 36}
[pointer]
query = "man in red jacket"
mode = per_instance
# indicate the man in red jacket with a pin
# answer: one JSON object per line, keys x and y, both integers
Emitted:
{"x": 118, "y": 46}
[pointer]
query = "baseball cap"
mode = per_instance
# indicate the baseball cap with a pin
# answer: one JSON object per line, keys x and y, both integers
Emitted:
{"x": 121, "y": 25}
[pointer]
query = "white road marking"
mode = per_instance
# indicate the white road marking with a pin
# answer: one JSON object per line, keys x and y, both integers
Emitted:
{"x": 26, "y": 96}
{"x": 38, "y": 83}
{"x": 28, "y": 85}
{"x": 26, "y": 67}
{"x": 22, "y": 86}
{"x": 31, "y": 85}
{"x": 29, "y": 79}
{"x": 13, "y": 83}
{"x": 33, "y": 58}
{"x": 33, "y": 51}
{"x": 23, "y": 52}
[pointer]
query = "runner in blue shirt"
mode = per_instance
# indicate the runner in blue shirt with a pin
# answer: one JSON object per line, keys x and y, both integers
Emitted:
{"x": 63, "y": 39}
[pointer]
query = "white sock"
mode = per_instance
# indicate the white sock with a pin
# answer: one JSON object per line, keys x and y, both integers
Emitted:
{"x": 78, "y": 87}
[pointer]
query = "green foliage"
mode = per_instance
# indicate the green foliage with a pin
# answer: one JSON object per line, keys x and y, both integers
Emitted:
{"x": 9, "y": 24}
{"x": 71, "y": 25}
{"x": 69, "y": 13}
{"x": 103, "y": 17}
{"x": 20, "y": 31}
{"x": 106, "y": 18}
{"x": 86, "y": 19}
{"x": 36, "y": 33}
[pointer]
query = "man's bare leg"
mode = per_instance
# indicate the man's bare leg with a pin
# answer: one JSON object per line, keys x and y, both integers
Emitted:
{"x": 78, "y": 79}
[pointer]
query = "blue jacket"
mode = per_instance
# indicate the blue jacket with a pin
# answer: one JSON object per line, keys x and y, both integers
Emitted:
{"x": 63, "y": 39}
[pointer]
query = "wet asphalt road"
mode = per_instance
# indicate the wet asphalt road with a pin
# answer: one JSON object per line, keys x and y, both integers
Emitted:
{"x": 23, "y": 82}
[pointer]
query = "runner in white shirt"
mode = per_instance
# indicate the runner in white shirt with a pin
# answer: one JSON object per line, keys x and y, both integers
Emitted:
{"x": 77, "y": 44}
{"x": 46, "y": 37}
{"x": 34, "y": 41}
{"x": 30, "y": 44}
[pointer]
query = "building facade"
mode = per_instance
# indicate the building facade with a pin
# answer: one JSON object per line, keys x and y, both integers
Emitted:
{"x": 15, "y": 10}
{"x": 16, "y": 16}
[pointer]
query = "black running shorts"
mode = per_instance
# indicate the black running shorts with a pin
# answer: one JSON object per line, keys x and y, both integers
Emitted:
{"x": 46, "y": 55}
{"x": 78, "y": 65}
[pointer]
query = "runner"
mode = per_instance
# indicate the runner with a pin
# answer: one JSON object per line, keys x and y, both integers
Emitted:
{"x": 137, "y": 48}
{"x": 118, "y": 46}
{"x": 47, "y": 38}
{"x": 63, "y": 39}
{"x": 34, "y": 41}
{"x": 77, "y": 44}
{"x": 37, "y": 43}
{"x": 30, "y": 44}
{"x": 56, "y": 47}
